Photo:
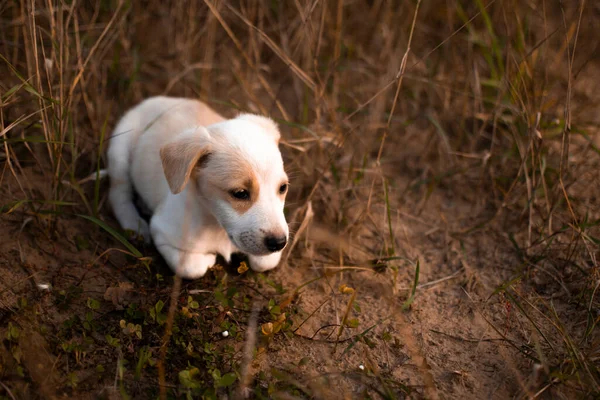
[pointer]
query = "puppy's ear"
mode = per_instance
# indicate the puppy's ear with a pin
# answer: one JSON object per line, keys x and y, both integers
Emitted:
{"x": 182, "y": 154}
{"x": 264, "y": 122}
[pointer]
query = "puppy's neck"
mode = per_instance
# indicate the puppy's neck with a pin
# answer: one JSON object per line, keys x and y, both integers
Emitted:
{"x": 194, "y": 192}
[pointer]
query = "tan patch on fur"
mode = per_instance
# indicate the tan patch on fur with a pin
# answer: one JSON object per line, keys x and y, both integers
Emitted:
{"x": 241, "y": 206}
{"x": 237, "y": 174}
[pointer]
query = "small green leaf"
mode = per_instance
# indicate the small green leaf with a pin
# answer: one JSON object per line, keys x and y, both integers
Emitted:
{"x": 352, "y": 323}
{"x": 13, "y": 332}
{"x": 221, "y": 298}
{"x": 192, "y": 303}
{"x": 93, "y": 304}
{"x": 159, "y": 306}
{"x": 156, "y": 314}
{"x": 227, "y": 380}
{"x": 187, "y": 378}
{"x": 114, "y": 342}
{"x": 276, "y": 310}
{"x": 303, "y": 361}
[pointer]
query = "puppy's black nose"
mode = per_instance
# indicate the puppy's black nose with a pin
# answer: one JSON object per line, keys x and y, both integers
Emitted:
{"x": 274, "y": 243}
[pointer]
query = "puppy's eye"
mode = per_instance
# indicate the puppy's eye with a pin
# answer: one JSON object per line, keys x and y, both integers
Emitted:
{"x": 283, "y": 188}
{"x": 240, "y": 194}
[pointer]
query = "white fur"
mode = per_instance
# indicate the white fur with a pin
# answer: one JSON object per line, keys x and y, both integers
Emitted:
{"x": 193, "y": 219}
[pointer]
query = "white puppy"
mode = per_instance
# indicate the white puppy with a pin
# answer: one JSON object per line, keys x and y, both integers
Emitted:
{"x": 214, "y": 186}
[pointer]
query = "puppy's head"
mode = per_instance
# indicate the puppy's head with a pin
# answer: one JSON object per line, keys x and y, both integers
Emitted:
{"x": 238, "y": 170}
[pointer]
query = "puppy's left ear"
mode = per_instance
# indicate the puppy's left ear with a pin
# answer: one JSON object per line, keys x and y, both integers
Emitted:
{"x": 182, "y": 154}
{"x": 264, "y": 122}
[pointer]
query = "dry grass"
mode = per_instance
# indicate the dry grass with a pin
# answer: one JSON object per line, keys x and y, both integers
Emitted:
{"x": 444, "y": 160}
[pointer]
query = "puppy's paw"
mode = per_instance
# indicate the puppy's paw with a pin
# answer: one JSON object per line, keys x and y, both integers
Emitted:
{"x": 264, "y": 263}
{"x": 138, "y": 229}
{"x": 194, "y": 265}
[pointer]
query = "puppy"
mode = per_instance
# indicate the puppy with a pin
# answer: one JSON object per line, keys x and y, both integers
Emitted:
{"x": 213, "y": 185}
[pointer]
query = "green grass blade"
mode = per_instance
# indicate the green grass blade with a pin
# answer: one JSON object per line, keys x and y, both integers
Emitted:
{"x": 114, "y": 234}
{"x": 409, "y": 301}
{"x": 392, "y": 249}
{"x": 10, "y": 207}
{"x": 97, "y": 183}
{"x": 517, "y": 303}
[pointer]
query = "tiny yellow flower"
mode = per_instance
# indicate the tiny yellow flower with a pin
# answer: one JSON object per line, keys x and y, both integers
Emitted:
{"x": 345, "y": 289}
{"x": 186, "y": 312}
{"x": 267, "y": 329}
{"x": 242, "y": 268}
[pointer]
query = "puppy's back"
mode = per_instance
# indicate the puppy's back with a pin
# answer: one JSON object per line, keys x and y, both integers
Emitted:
{"x": 134, "y": 147}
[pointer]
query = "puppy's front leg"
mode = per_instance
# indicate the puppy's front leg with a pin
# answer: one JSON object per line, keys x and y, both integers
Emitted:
{"x": 264, "y": 263}
{"x": 185, "y": 264}
{"x": 165, "y": 234}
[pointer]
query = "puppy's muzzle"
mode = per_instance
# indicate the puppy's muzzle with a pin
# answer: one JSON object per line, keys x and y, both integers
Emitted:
{"x": 275, "y": 243}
